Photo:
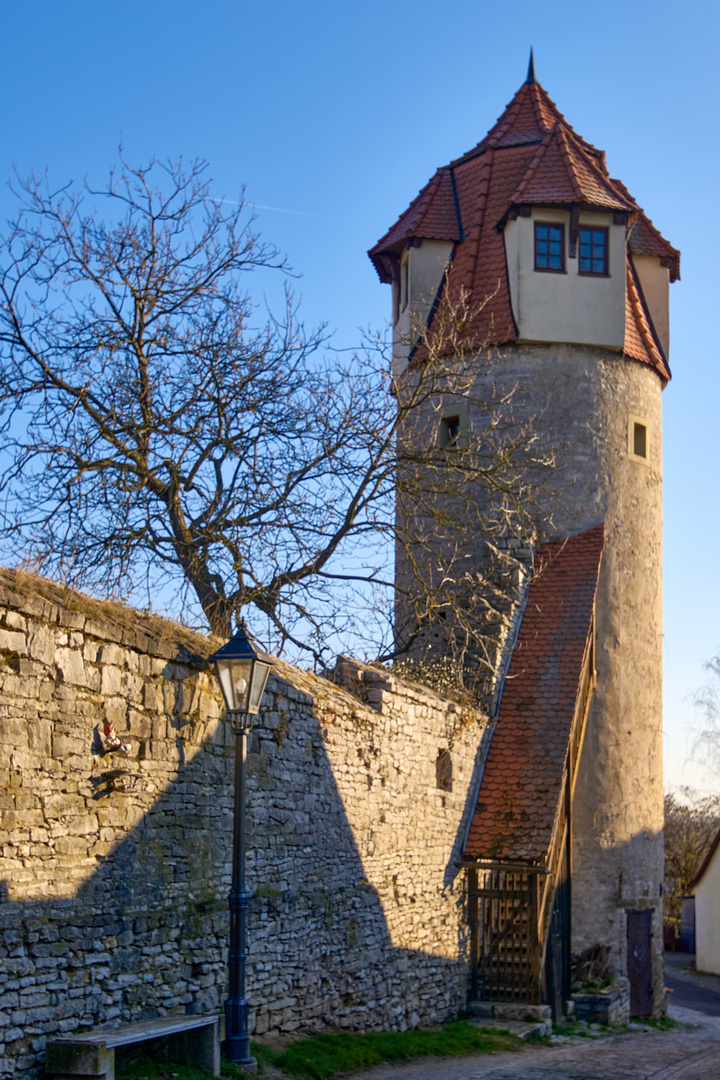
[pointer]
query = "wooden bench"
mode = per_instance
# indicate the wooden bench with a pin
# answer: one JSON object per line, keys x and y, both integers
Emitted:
{"x": 192, "y": 1040}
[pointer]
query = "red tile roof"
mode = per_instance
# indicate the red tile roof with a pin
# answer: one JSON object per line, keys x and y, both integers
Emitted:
{"x": 531, "y": 156}
{"x": 521, "y": 785}
{"x": 527, "y": 118}
{"x": 562, "y": 172}
{"x": 645, "y": 239}
{"x": 640, "y": 339}
{"x": 432, "y": 215}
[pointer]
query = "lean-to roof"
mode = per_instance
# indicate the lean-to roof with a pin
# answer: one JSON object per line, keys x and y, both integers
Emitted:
{"x": 521, "y": 785}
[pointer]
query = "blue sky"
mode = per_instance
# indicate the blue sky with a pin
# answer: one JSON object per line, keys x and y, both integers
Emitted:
{"x": 335, "y": 114}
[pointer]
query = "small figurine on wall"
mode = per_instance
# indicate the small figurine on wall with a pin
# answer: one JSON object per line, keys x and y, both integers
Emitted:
{"x": 112, "y": 742}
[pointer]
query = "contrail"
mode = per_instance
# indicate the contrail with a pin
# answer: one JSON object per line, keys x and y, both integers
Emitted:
{"x": 281, "y": 210}
{"x": 298, "y": 213}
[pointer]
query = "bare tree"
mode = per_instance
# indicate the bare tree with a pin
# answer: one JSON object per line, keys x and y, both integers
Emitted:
{"x": 471, "y": 500}
{"x": 707, "y": 704}
{"x": 691, "y": 824}
{"x": 162, "y": 430}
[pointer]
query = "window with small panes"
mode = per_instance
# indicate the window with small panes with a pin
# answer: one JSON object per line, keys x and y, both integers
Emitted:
{"x": 593, "y": 251}
{"x": 550, "y": 247}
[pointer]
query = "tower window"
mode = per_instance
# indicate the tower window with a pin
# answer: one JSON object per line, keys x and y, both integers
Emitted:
{"x": 593, "y": 252}
{"x": 443, "y": 771}
{"x": 550, "y": 247}
{"x": 449, "y": 430}
{"x": 638, "y": 439}
{"x": 404, "y": 281}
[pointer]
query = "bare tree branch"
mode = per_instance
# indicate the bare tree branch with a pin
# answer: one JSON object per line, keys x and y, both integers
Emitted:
{"x": 160, "y": 427}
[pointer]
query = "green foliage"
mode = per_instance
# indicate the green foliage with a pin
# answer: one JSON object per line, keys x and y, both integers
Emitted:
{"x": 327, "y": 1055}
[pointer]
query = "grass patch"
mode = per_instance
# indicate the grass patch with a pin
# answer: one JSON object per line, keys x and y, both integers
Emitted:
{"x": 592, "y": 986}
{"x": 584, "y": 1029}
{"x": 662, "y": 1023}
{"x": 262, "y": 1054}
{"x": 326, "y": 1055}
{"x": 150, "y": 1068}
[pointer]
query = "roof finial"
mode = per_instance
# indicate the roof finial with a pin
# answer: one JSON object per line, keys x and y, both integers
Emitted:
{"x": 531, "y": 69}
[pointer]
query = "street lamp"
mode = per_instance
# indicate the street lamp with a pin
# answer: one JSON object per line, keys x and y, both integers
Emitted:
{"x": 243, "y": 671}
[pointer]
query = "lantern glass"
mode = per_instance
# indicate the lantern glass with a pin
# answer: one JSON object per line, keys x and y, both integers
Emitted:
{"x": 235, "y": 676}
{"x": 257, "y": 689}
{"x": 242, "y": 669}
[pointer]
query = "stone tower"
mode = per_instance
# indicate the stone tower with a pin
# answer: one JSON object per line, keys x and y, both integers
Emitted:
{"x": 571, "y": 280}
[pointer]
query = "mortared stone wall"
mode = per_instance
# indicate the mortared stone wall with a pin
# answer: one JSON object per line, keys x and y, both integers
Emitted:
{"x": 113, "y": 903}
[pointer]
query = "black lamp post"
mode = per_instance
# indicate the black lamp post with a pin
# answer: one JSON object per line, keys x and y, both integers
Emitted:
{"x": 242, "y": 670}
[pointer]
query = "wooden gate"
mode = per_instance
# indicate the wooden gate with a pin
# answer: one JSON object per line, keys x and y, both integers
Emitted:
{"x": 503, "y": 933}
{"x": 639, "y": 947}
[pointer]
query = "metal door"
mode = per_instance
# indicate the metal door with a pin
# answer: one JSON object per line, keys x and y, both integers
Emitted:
{"x": 639, "y": 947}
{"x": 557, "y": 955}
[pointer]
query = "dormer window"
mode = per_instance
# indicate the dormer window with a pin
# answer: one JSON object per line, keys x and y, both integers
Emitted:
{"x": 593, "y": 252}
{"x": 550, "y": 247}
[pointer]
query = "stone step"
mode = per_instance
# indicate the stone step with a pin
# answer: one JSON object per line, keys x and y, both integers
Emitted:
{"x": 529, "y": 1032}
{"x": 531, "y": 1021}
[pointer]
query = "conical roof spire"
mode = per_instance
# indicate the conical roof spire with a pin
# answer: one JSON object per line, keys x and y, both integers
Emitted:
{"x": 531, "y": 80}
{"x": 530, "y": 157}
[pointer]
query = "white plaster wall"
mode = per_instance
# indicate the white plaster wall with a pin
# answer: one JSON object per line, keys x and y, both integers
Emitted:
{"x": 655, "y": 284}
{"x": 707, "y": 918}
{"x": 426, "y": 267}
{"x": 567, "y": 307}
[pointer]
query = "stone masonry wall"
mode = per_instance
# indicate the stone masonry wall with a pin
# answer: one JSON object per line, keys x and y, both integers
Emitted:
{"x": 113, "y": 904}
{"x": 580, "y": 402}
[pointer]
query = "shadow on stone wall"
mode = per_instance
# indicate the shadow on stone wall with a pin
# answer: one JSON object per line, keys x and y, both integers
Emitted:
{"x": 336, "y": 938}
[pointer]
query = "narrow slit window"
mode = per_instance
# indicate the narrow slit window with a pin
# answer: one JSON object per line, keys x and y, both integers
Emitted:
{"x": 449, "y": 430}
{"x": 639, "y": 440}
{"x": 443, "y": 771}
